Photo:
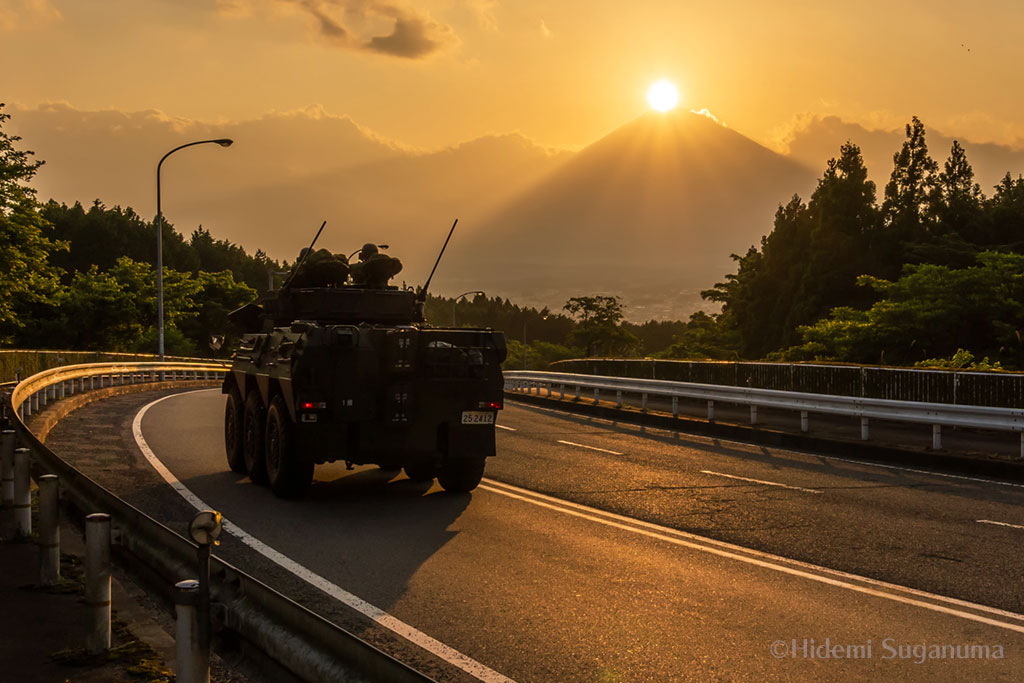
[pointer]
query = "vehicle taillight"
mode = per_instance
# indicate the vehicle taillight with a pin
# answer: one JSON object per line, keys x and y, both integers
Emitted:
{"x": 495, "y": 405}
{"x": 309, "y": 405}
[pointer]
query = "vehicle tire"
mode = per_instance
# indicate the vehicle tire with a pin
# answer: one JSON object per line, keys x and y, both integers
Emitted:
{"x": 422, "y": 470}
{"x": 289, "y": 473}
{"x": 252, "y": 441}
{"x": 234, "y": 418}
{"x": 460, "y": 475}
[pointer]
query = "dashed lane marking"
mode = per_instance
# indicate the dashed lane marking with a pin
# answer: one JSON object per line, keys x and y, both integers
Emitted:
{"x": 509, "y": 429}
{"x": 472, "y": 667}
{"x": 832, "y": 577}
{"x": 760, "y": 481}
{"x": 593, "y": 448}
{"x": 989, "y": 521}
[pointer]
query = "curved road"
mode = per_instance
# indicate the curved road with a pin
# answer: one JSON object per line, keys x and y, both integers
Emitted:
{"x": 605, "y": 552}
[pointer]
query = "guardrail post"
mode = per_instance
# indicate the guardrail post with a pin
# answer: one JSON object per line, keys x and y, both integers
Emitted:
{"x": 49, "y": 531}
{"x": 191, "y": 666}
{"x": 97, "y": 581}
{"x": 803, "y": 421}
{"x": 561, "y": 395}
{"x": 936, "y": 437}
{"x": 864, "y": 430}
{"x": 597, "y": 396}
{"x": 579, "y": 391}
{"x": 675, "y": 406}
{"x": 643, "y": 402}
{"x": 7, "y": 467}
{"x": 22, "y": 494}
{"x": 711, "y": 411}
{"x": 34, "y": 403}
{"x": 1022, "y": 445}
{"x": 62, "y": 389}
{"x": 753, "y": 415}
{"x": 618, "y": 399}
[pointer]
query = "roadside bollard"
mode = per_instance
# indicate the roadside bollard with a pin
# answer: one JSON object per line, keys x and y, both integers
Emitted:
{"x": 22, "y": 494}
{"x": 49, "y": 531}
{"x": 804, "y": 422}
{"x": 190, "y": 665}
{"x": 97, "y": 582}
{"x": 753, "y": 415}
{"x": 7, "y": 467}
{"x": 865, "y": 430}
{"x": 937, "y": 437}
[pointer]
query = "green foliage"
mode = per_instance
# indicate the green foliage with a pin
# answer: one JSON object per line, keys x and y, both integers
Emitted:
{"x": 599, "y": 330}
{"x": 539, "y": 355}
{"x": 25, "y": 281}
{"x": 931, "y": 310}
{"x": 100, "y": 236}
{"x": 930, "y": 270}
{"x": 703, "y": 337}
{"x": 961, "y": 360}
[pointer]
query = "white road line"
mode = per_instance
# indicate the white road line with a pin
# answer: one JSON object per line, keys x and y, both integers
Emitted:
{"x": 593, "y": 448}
{"x": 867, "y": 463}
{"x": 989, "y": 521}
{"x": 761, "y": 481}
{"x": 511, "y": 429}
{"x": 393, "y": 624}
{"x": 761, "y": 559}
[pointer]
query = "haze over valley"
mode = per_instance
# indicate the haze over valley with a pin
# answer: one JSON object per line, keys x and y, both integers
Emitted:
{"x": 650, "y": 212}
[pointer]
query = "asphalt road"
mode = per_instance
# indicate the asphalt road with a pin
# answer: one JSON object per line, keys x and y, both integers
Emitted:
{"x": 604, "y": 553}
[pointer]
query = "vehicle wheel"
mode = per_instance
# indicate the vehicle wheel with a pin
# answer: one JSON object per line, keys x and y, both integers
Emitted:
{"x": 422, "y": 470}
{"x": 289, "y": 473}
{"x": 252, "y": 441}
{"x": 460, "y": 475}
{"x": 233, "y": 434}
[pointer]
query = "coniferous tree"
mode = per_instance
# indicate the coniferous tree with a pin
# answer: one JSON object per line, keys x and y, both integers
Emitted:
{"x": 908, "y": 196}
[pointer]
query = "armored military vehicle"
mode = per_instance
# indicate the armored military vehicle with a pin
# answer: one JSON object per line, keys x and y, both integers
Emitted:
{"x": 336, "y": 371}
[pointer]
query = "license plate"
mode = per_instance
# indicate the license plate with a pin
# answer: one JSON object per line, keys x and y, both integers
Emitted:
{"x": 477, "y": 417}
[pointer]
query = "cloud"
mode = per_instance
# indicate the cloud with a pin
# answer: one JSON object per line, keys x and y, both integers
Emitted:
{"x": 22, "y": 14}
{"x": 813, "y": 139}
{"x": 378, "y": 27}
{"x": 484, "y": 11}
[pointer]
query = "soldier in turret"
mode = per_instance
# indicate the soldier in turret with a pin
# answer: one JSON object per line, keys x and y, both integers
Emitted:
{"x": 321, "y": 269}
{"x": 374, "y": 269}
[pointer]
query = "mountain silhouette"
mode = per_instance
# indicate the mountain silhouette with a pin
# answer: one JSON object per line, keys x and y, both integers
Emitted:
{"x": 658, "y": 203}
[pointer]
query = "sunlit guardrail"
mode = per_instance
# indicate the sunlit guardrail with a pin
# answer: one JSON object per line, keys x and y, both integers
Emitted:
{"x": 309, "y": 646}
{"x": 938, "y": 415}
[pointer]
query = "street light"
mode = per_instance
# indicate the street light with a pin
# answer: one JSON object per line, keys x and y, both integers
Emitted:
{"x": 456, "y": 300}
{"x": 223, "y": 142}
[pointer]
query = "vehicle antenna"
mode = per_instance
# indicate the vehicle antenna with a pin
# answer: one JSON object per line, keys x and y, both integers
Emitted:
{"x": 423, "y": 292}
{"x": 303, "y": 257}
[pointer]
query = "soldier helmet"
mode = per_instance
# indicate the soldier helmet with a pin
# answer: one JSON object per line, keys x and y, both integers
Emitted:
{"x": 368, "y": 250}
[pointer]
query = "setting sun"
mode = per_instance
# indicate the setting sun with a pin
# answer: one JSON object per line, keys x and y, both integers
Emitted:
{"x": 663, "y": 95}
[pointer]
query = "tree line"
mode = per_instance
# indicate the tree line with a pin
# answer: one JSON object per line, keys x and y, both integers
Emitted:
{"x": 76, "y": 278}
{"x": 932, "y": 273}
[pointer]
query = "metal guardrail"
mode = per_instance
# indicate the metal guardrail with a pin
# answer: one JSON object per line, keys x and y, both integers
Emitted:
{"x": 936, "y": 414}
{"x": 311, "y": 647}
{"x": 962, "y": 387}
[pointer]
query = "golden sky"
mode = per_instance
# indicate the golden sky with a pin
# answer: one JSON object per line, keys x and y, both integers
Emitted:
{"x": 436, "y": 72}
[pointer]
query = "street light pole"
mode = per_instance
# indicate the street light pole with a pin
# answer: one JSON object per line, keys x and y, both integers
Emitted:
{"x": 223, "y": 142}
{"x": 456, "y": 300}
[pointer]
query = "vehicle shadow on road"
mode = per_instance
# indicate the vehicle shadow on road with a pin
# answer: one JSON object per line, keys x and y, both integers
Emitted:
{"x": 367, "y": 531}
